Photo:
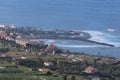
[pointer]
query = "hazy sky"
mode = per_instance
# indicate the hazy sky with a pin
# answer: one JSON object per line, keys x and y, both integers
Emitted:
{"x": 88, "y": 14}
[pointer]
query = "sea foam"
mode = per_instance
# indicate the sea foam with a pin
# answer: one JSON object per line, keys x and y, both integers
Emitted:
{"x": 103, "y": 37}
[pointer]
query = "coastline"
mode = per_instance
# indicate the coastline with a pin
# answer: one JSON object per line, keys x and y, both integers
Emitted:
{"x": 78, "y": 39}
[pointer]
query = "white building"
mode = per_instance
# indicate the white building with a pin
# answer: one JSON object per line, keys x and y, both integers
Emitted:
{"x": 11, "y": 26}
{"x": 7, "y": 26}
{"x": 2, "y": 26}
{"x": 48, "y": 63}
{"x": 22, "y": 41}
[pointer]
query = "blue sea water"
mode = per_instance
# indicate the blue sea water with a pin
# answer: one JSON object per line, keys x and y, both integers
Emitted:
{"x": 97, "y": 15}
{"x": 64, "y": 14}
{"x": 92, "y": 48}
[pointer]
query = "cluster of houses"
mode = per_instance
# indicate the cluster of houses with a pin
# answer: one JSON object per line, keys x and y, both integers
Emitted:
{"x": 16, "y": 37}
{"x": 13, "y": 36}
{"x": 4, "y": 35}
{"x": 46, "y": 64}
{"x": 6, "y": 26}
{"x": 88, "y": 70}
{"x": 50, "y": 49}
{"x": 43, "y": 69}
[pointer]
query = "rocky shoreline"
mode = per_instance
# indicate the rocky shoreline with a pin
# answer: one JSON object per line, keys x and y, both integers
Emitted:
{"x": 80, "y": 39}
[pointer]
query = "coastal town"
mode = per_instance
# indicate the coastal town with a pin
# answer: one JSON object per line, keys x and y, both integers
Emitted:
{"x": 23, "y": 57}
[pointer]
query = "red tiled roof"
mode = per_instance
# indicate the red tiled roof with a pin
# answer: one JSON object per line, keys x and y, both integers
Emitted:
{"x": 90, "y": 69}
{"x": 51, "y": 47}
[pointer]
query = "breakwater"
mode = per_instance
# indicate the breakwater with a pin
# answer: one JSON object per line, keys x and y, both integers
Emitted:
{"x": 79, "y": 39}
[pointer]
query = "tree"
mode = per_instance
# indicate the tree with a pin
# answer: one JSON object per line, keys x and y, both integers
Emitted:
{"x": 49, "y": 73}
{"x": 73, "y": 78}
{"x": 65, "y": 77}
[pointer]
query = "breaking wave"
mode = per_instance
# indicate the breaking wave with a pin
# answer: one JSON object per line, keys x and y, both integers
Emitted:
{"x": 50, "y": 41}
{"x": 99, "y": 36}
{"x": 104, "y": 37}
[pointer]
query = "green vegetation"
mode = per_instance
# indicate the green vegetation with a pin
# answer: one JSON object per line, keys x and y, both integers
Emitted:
{"x": 19, "y": 62}
{"x": 72, "y": 70}
{"x": 38, "y": 77}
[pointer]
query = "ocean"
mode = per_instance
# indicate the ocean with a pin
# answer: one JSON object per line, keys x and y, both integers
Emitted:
{"x": 63, "y": 14}
{"x": 109, "y": 36}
